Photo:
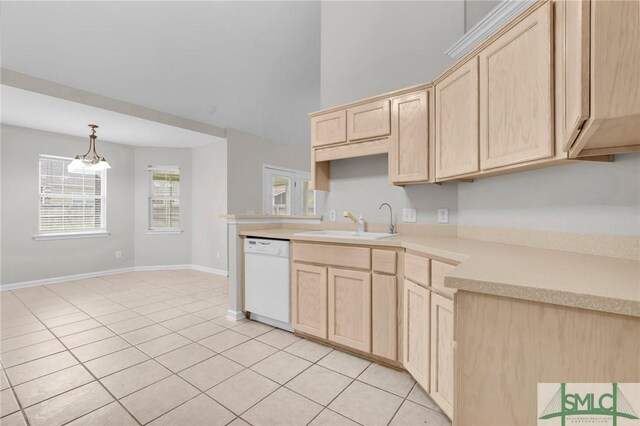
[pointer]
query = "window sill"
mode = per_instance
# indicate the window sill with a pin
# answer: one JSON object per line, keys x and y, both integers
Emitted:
{"x": 71, "y": 235}
{"x": 167, "y": 232}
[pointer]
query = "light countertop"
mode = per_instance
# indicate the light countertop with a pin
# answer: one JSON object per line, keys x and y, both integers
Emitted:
{"x": 599, "y": 283}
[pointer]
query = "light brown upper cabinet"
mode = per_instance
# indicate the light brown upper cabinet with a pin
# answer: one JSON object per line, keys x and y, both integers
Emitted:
{"x": 309, "y": 294}
{"x": 370, "y": 120}
{"x": 614, "y": 77}
{"x": 409, "y": 148}
{"x": 571, "y": 46}
{"x": 330, "y": 128}
{"x": 457, "y": 133}
{"x": 350, "y": 308}
{"x": 516, "y": 108}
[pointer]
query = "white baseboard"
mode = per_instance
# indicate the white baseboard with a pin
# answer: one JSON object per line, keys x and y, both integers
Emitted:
{"x": 235, "y": 315}
{"x": 210, "y": 270}
{"x": 54, "y": 280}
{"x": 62, "y": 279}
{"x": 161, "y": 268}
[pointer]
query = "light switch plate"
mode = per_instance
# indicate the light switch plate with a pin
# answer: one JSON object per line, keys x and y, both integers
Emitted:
{"x": 443, "y": 215}
{"x": 332, "y": 215}
{"x": 409, "y": 215}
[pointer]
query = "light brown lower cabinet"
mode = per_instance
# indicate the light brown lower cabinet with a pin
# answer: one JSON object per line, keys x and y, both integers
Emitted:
{"x": 415, "y": 356}
{"x": 384, "y": 316}
{"x": 309, "y": 299}
{"x": 442, "y": 352}
{"x": 350, "y": 308}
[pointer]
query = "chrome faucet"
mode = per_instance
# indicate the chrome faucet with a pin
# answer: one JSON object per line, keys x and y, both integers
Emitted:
{"x": 392, "y": 228}
{"x": 359, "y": 221}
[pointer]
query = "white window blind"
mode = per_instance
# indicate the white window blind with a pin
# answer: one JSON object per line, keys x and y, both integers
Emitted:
{"x": 164, "y": 198}
{"x": 71, "y": 202}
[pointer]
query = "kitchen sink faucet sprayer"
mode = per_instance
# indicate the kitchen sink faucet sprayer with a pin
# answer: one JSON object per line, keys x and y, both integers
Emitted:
{"x": 392, "y": 228}
{"x": 359, "y": 220}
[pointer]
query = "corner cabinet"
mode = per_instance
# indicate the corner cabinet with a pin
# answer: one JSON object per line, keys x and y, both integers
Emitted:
{"x": 516, "y": 93}
{"x": 442, "y": 348}
{"x": 409, "y": 145}
{"x": 416, "y": 329}
{"x": 428, "y": 328}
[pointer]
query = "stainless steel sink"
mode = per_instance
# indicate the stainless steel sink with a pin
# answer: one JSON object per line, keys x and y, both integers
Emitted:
{"x": 345, "y": 234}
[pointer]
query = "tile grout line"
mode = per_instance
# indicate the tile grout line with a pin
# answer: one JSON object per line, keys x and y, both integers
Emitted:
{"x": 91, "y": 373}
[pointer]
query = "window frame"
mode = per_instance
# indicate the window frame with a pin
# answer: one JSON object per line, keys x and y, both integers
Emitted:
{"x": 70, "y": 234}
{"x": 155, "y": 230}
{"x": 297, "y": 177}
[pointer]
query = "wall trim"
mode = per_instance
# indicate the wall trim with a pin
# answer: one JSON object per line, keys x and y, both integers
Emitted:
{"x": 235, "y": 315}
{"x": 61, "y": 279}
{"x": 496, "y": 19}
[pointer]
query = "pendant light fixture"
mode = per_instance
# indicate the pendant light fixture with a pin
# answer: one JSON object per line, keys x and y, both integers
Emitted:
{"x": 91, "y": 160}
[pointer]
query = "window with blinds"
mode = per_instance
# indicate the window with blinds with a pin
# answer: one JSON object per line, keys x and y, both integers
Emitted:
{"x": 164, "y": 198}
{"x": 71, "y": 202}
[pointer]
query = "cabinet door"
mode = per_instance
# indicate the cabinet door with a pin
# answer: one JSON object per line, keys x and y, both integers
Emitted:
{"x": 309, "y": 299}
{"x": 442, "y": 352}
{"x": 384, "y": 316}
{"x": 350, "y": 308}
{"x": 409, "y": 149}
{"x": 571, "y": 46}
{"x": 516, "y": 109}
{"x": 416, "y": 333}
{"x": 457, "y": 133}
{"x": 330, "y": 128}
{"x": 369, "y": 120}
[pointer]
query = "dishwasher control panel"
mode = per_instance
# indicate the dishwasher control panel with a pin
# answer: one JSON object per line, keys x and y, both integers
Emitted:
{"x": 278, "y": 248}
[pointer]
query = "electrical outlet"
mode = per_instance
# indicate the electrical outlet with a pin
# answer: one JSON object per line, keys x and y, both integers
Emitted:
{"x": 443, "y": 215}
{"x": 118, "y": 255}
{"x": 332, "y": 215}
{"x": 409, "y": 215}
{"x": 218, "y": 254}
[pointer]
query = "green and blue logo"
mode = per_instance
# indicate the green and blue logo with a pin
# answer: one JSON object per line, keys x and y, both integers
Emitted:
{"x": 584, "y": 404}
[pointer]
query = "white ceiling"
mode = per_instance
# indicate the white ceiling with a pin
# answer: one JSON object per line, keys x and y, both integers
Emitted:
{"x": 253, "y": 66}
{"x": 36, "y": 111}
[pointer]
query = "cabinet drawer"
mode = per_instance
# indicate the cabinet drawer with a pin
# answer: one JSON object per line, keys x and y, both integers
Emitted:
{"x": 369, "y": 120}
{"x": 383, "y": 261}
{"x": 327, "y": 129}
{"x": 438, "y": 271}
{"x": 416, "y": 268}
{"x": 350, "y": 257}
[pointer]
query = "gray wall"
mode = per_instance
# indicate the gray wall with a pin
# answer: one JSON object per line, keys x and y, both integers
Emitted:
{"x": 581, "y": 197}
{"x": 369, "y": 48}
{"x": 362, "y": 184}
{"x": 209, "y": 229}
{"x": 23, "y": 258}
{"x": 156, "y": 249}
{"x": 373, "y": 47}
{"x": 246, "y": 154}
{"x": 475, "y": 10}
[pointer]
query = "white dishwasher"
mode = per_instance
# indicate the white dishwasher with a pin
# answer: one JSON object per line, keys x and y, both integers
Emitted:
{"x": 267, "y": 294}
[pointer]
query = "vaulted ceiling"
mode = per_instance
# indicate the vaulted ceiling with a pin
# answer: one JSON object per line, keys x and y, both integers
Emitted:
{"x": 253, "y": 66}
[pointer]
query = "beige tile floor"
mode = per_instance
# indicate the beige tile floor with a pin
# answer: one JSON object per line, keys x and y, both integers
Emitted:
{"x": 155, "y": 348}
